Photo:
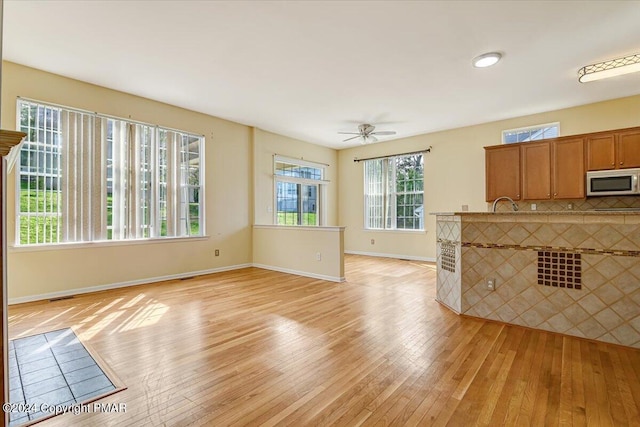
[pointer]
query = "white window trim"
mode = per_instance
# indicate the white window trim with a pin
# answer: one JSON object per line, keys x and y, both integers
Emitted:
{"x": 321, "y": 183}
{"x": 395, "y": 230}
{"x": 301, "y": 162}
{"x": 525, "y": 128}
{"x": 103, "y": 243}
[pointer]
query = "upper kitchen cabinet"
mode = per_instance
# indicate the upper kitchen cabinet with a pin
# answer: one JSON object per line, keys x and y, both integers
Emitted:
{"x": 536, "y": 170}
{"x": 613, "y": 150}
{"x": 568, "y": 168}
{"x": 601, "y": 153}
{"x": 502, "y": 165}
{"x": 628, "y": 149}
{"x": 553, "y": 169}
{"x": 544, "y": 170}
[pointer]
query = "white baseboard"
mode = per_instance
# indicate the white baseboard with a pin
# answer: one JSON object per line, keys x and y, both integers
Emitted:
{"x": 383, "y": 255}
{"x": 78, "y": 291}
{"x": 300, "y": 273}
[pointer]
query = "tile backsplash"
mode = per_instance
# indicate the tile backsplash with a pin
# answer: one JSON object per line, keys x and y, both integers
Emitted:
{"x": 578, "y": 205}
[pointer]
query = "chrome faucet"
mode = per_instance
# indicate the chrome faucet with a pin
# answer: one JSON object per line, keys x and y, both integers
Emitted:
{"x": 495, "y": 202}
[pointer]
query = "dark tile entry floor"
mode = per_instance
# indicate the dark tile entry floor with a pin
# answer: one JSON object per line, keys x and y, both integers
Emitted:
{"x": 52, "y": 368}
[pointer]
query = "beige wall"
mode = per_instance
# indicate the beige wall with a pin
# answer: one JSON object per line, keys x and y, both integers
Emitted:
{"x": 228, "y": 180}
{"x": 454, "y": 171}
{"x": 309, "y": 251}
{"x": 266, "y": 145}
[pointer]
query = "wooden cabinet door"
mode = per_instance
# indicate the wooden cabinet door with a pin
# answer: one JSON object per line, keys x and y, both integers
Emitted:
{"x": 502, "y": 167}
{"x": 536, "y": 170}
{"x": 568, "y": 169}
{"x": 628, "y": 149}
{"x": 601, "y": 152}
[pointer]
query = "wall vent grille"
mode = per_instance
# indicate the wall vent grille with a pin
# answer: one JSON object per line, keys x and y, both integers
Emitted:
{"x": 560, "y": 269}
{"x": 448, "y": 256}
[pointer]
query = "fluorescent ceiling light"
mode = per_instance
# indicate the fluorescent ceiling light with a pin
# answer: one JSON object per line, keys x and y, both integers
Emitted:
{"x": 615, "y": 67}
{"x": 486, "y": 59}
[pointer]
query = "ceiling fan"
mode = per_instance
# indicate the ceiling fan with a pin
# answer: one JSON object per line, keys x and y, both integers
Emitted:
{"x": 367, "y": 133}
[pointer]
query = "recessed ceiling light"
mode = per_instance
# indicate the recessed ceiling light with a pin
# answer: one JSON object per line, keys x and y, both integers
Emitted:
{"x": 486, "y": 60}
{"x": 615, "y": 67}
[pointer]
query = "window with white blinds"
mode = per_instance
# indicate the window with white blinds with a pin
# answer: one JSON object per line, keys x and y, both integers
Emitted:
{"x": 87, "y": 177}
{"x": 394, "y": 193}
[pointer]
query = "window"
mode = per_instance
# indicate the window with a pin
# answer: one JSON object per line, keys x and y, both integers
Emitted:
{"x": 87, "y": 177}
{"x": 298, "y": 191}
{"x": 531, "y": 133}
{"x": 394, "y": 193}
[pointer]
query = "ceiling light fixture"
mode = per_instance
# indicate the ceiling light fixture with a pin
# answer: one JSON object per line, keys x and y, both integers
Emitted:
{"x": 615, "y": 67}
{"x": 486, "y": 59}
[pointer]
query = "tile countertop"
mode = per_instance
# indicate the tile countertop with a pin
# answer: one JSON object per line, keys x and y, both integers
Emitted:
{"x": 574, "y": 217}
{"x": 502, "y": 213}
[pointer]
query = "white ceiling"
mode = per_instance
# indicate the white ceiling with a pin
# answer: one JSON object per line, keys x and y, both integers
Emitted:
{"x": 309, "y": 69}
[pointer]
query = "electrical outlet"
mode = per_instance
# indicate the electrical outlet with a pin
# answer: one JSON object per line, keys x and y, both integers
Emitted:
{"x": 318, "y": 256}
{"x": 491, "y": 284}
{"x": 465, "y": 208}
{"x": 373, "y": 241}
{"x": 217, "y": 252}
{"x": 534, "y": 207}
{"x": 570, "y": 206}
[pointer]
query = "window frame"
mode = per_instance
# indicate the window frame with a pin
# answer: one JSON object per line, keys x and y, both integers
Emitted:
{"x": 100, "y": 237}
{"x": 389, "y": 199}
{"x": 320, "y": 185}
{"x": 529, "y": 128}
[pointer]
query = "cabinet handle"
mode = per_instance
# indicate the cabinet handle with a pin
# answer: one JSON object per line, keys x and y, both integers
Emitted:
{"x": 621, "y": 163}
{"x": 555, "y": 194}
{"x": 613, "y": 164}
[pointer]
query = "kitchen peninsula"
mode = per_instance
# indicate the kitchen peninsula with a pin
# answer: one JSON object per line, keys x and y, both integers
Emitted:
{"x": 572, "y": 272}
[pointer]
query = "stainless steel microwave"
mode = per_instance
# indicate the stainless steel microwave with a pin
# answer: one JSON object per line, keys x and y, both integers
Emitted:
{"x": 618, "y": 182}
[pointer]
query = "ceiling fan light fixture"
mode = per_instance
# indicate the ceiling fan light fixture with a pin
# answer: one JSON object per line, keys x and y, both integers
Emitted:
{"x": 367, "y": 134}
{"x": 486, "y": 59}
{"x": 369, "y": 139}
{"x": 612, "y": 68}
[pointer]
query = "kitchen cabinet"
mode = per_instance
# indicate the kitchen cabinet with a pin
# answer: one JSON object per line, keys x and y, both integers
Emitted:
{"x": 568, "y": 176}
{"x": 613, "y": 150}
{"x": 555, "y": 168}
{"x": 628, "y": 149}
{"x": 601, "y": 152}
{"x": 536, "y": 170}
{"x": 545, "y": 170}
{"x": 502, "y": 168}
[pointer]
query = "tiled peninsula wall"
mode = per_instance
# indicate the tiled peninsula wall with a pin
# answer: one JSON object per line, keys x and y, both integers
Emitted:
{"x": 448, "y": 251}
{"x": 576, "y": 273}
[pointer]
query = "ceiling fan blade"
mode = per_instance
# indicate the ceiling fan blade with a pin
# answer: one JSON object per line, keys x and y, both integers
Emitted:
{"x": 348, "y": 133}
{"x": 384, "y": 132}
{"x": 349, "y": 139}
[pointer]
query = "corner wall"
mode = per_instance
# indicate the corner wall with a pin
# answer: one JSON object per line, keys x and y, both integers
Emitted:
{"x": 228, "y": 192}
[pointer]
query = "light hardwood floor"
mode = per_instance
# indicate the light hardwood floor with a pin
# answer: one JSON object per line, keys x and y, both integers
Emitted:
{"x": 256, "y": 347}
